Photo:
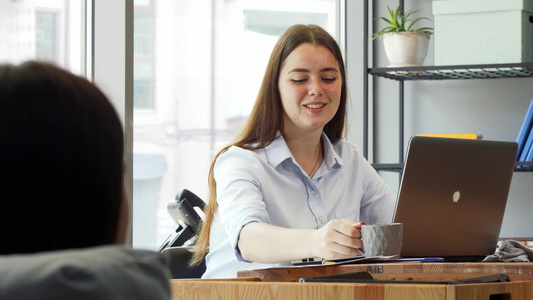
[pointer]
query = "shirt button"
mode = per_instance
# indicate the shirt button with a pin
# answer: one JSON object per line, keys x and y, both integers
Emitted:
{"x": 313, "y": 193}
{"x": 321, "y": 219}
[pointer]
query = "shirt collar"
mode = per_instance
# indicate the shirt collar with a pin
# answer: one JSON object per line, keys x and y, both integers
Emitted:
{"x": 331, "y": 157}
{"x": 278, "y": 151}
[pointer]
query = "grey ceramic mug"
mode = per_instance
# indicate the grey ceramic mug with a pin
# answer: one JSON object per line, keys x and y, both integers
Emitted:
{"x": 382, "y": 239}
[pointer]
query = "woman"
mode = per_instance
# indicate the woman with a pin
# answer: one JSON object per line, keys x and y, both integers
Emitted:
{"x": 290, "y": 187}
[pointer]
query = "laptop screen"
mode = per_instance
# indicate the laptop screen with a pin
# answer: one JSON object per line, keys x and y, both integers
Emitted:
{"x": 453, "y": 195}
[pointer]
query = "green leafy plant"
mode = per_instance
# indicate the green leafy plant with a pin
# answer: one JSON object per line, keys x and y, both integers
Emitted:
{"x": 398, "y": 22}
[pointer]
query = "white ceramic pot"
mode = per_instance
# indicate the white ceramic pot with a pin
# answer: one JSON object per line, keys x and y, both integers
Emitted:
{"x": 406, "y": 49}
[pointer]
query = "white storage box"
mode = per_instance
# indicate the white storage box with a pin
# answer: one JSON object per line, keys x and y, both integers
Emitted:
{"x": 483, "y": 31}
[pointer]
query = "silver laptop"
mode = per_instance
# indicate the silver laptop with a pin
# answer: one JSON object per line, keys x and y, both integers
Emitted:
{"x": 452, "y": 197}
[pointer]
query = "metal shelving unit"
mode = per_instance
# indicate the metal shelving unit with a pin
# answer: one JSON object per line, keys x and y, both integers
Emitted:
{"x": 455, "y": 72}
{"x": 462, "y": 72}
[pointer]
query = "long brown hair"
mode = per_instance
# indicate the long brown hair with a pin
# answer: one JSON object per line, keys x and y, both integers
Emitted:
{"x": 266, "y": 118}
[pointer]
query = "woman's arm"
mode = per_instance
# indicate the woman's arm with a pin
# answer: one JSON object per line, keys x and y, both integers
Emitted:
{"x": 266, "y": 243}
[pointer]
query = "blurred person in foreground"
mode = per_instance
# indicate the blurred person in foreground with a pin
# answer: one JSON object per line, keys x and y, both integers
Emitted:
{"x": 64, "y": 214}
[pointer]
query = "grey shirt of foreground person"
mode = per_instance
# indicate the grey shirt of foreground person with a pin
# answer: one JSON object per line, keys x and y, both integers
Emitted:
{"x": 99, "y": 273}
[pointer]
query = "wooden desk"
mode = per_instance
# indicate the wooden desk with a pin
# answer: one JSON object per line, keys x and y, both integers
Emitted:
{"x": 399, "y": 271}
{"x": 278, "y": 283}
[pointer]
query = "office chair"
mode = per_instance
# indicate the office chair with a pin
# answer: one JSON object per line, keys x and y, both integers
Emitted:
{"x": 178, "y": 246}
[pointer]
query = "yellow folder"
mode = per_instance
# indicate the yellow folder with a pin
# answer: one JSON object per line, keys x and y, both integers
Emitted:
{"x": 472, "y": 136}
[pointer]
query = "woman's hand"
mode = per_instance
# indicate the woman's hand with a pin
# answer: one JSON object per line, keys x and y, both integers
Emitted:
{"x": 266, "y": 243}
{"x": 337, "y": 239}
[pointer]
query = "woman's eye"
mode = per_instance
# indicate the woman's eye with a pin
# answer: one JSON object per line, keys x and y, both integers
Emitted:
{"x": 298, "y": 80}
{"x": 329, "y": 79}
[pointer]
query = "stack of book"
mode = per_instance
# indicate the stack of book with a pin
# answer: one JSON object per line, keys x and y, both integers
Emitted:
{"x": 525, "y": 139}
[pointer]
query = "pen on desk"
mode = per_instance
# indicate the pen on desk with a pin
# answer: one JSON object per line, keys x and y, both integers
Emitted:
{"x": 419, "y": 259}
{"x": 431, "y": 259}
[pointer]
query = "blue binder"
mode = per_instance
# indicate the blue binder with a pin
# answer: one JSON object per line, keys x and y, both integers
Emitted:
{"x": 529, "y": 156}
{"x": 525, "y": 136}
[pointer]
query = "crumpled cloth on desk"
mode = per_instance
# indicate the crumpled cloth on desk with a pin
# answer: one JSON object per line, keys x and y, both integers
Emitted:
{"x": 511, "y": 251}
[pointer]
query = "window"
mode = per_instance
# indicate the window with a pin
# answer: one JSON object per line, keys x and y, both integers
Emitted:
{"x": 46, "y": 35}
{"x": 142, "y": 51}
{"x": 51, "y": 30}
{"x": 198, "y": 66}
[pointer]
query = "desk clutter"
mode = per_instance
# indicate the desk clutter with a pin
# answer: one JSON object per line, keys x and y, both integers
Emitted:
{"x": 511, "y": 251}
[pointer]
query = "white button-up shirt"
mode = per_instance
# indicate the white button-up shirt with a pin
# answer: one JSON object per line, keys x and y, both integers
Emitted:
{"x": 268, "y": 185}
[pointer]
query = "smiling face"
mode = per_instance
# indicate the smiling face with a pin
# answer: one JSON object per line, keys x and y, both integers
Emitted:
{"x": 310, "y": 88}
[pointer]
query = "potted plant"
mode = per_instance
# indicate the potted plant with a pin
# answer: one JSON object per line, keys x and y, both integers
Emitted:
{"x": 404, "y": 45}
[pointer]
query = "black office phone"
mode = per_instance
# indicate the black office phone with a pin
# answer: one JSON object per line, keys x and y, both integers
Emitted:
{"x": 182, "y": 211}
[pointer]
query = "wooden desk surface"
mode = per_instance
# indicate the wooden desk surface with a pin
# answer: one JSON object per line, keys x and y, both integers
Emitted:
{"x": 253, "y": 290}
{"x": 278, "y": 283}
{"x": 398, "y": 271}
